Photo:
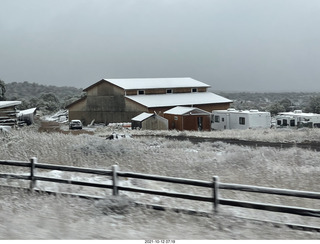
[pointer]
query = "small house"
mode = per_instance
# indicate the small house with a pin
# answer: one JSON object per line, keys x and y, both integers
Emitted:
{"x": 238, "y": 119}
{"x": 149, "y": 121}
{"x": 188, "y": 118}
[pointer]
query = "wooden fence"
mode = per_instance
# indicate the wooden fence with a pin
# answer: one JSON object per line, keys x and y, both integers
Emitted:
{"x": 214, "y": 185}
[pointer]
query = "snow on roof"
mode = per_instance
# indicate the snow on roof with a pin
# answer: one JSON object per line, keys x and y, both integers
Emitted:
{"x": 183, "y": 110}
{"x": 142, "y": 116}
{"x": 152, "y": 83}
{"x": 234, "y": 111}
{"x": 27, "y": 111}
{"x": 297, "y": 113}
{"x": 4, "y": 104}
{"x": 176, "y": 99}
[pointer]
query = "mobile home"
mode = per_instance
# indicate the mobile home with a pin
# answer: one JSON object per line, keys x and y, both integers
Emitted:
{"x": 239, "y": 119}
{"x": 297, "y": 119}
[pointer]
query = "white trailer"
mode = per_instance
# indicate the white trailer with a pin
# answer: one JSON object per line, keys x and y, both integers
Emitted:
{"x": 239, "y": 119}
{"x": 297, "y": 119}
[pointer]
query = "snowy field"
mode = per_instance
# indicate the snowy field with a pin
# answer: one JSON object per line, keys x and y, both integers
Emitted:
{"x": 50, "y": 217}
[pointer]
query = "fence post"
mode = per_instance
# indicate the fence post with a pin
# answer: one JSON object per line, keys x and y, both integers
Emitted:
{"x": 115, "y": 191}
{"x": 215, "y": 192}
{"x": 33, "y": 162}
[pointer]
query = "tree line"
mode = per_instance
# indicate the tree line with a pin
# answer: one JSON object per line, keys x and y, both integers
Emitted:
{"x": 274, "y": 102}
{"x": 50, "y": 99}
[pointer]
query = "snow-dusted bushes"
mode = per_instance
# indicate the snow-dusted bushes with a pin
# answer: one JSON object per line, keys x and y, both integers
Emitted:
{"x": 284, "y": 168}
{"x": 270, "y": 135}
{"x": 36, "y": 217}
{"x": 292, "y": 168}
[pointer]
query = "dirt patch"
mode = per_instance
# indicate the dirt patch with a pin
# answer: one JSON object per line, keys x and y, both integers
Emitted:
{"x": 311, "y": 145}
{"x": 52, "y": 126}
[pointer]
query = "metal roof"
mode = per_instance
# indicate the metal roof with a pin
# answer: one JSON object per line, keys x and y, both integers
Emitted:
{"x": 176, "y": 99}
{"x": 4, "y": 104}
{"x": 153, "y": 83}
{"x": 142, "y": 116}
{"x": 185, "y": 110}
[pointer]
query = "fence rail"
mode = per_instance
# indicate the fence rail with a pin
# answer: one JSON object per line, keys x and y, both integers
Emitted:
{"x": 214, "y": 185}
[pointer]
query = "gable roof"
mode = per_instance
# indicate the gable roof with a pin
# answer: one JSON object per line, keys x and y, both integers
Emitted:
{"x": 142, "y": 116}
{"x": 176, "y": 99}
{"x": 153, "y": 83}
{"x": 185, "y": 110}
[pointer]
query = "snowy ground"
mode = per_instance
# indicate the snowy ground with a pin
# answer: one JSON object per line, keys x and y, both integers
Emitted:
{"x": 49, "y": 217}
{"x": 26, "y": 216}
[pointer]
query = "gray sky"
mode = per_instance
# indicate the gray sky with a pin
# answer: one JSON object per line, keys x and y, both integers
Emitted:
{"x": 233, "y": 45}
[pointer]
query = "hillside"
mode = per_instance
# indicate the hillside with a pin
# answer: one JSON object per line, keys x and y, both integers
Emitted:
{"x": 264, "y": 100}
{"x": 26, "y": 90}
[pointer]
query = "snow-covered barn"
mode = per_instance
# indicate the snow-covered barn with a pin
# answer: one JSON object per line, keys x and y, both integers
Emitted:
{"x": 149, "y": 121}
{"x": 236, "y": 119}
{"x": 188, "y": 118}
{"x": 119, "y": 100}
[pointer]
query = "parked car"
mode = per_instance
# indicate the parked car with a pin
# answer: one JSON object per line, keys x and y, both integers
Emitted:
{"x": 75, "y": 124}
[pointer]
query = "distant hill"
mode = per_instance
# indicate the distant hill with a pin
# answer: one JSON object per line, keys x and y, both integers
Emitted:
{"x": 26, "y": 90}
{"x": 263, "y": 100}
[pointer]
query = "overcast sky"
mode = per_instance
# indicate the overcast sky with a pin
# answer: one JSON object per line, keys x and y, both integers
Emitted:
{"x": 232, "y": 45}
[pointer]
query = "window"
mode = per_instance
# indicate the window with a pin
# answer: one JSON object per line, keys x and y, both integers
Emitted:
{"x": 141, "y": 92}
{"x": 292, "y": 122}
{"x": 242, "y": 120}
{"x": 194, "y": 90}
{"x": 285, "y": 122}
{"x": 169, "y": 91}
{"x": 200, "y": 122}
{"x": 217, "y": 119}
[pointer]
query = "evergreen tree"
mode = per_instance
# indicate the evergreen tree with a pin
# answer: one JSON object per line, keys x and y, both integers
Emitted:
{"x": 2, "y": 90}
{"x": 314, "y": 105}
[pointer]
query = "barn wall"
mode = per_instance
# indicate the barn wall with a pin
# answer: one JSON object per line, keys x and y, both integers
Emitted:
{"x": 190, "y": 122}
{"x": 78, "y": 106}
{"x": 163, "y": 91}
{"x": 210, "y": 107}
{"x": 174, "y": 121}
{"x": 160, "y": 111}
{"x": 8, "y": 116}
{"x": 105, "y": 103}
{"x": 104, "y": 88}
